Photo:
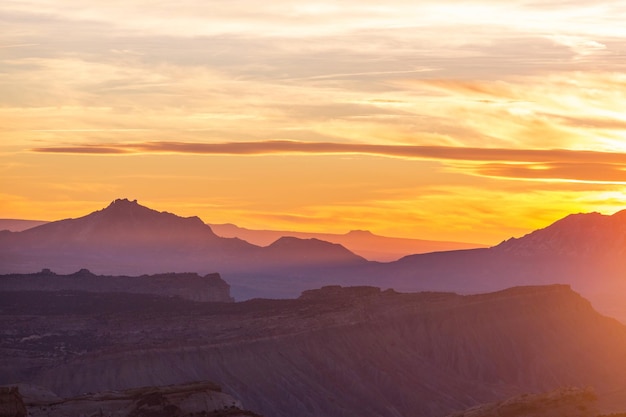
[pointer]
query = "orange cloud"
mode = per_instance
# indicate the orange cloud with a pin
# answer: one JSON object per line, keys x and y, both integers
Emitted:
{"x": 546, "y": 164}
{"x": 592, "y": 172}
{"x": 291, "y": 147}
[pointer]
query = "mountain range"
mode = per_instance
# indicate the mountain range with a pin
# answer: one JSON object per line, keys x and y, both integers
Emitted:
{"x": 583, "y": 250}
{"x": 128, "y": 238}
{"x": 361, "y": 242}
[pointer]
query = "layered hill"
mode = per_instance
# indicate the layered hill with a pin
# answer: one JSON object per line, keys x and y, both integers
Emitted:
{"x": 583, "y": 250}
{"x": 334, "y": 352}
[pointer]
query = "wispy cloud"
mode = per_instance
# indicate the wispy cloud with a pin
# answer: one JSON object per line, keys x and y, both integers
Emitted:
{"x": 497, "y": 162}
{"x": 19, "y": 45}
{"x": 403, "y": 151}
{"x": 595, "y": 172}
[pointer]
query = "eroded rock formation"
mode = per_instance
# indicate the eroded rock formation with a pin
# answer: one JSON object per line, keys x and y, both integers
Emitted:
{"x": 190, "y": 286}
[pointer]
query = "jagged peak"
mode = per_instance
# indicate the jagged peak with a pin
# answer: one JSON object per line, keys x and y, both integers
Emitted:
{"x": 123, "y": 206}
{"x": 123, "y": 201}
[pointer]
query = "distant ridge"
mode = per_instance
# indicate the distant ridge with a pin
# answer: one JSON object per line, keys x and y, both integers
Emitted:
{"x": 582, "y": 234}
{"x": 310, "y": 251}
{"x": 362, "y": 242}
{"x": 18, "y": 225}
{"x": 190, "y": 286}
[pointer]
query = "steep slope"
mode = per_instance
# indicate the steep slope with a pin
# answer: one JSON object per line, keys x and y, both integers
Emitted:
{"x": 334, "y": 352}
{"x": 587, "y": 235}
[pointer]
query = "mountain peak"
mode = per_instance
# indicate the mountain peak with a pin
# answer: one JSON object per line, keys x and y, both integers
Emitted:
{"x": 123, "y": 201}
{"x": 125, "y": 222}
{"x": 312, "y": 250}
{"x": 579, "y": 234}
{"x": 123, "y": 205}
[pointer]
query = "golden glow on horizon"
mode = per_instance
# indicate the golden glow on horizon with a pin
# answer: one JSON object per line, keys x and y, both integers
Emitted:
{"x": 450, "y": 75}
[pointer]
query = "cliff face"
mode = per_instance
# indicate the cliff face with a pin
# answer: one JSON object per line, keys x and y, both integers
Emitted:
{"x": 335, "y": 352}
{"x": 190, "y": 286}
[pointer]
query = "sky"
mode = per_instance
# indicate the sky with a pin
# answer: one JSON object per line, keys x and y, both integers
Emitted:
{"x": 455, "y": 120}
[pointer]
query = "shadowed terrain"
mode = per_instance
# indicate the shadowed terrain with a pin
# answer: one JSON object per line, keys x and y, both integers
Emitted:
{"x": 335, "y": 351}
{"x": 197, "y": 399}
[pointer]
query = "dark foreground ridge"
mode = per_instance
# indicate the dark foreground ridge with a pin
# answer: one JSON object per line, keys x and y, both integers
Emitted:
{"x": 190, "y": 286}
{"x": 336, "y": 351}
{"x": 196, "y": 399}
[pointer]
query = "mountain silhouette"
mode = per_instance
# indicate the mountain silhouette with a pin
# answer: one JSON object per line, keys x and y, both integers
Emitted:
{"x": 577, "y": 235}
{"x": 362, "y": 242}
{"x": 583, "y": 250}
{"x": 310, "y": 251}
{"x": 124, "y": 223}
{"x": 128, "y": 238}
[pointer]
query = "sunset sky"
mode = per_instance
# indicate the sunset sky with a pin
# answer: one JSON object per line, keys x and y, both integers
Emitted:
{"x": 452, "y": 120}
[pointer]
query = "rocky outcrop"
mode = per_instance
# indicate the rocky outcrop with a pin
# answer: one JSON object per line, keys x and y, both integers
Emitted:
{"x": 569, "y": 401}
{"x": 182, "y": 400}
{"x": 11, "y": 403}
{"x": 339, "y": 292}
{"x": 190, "y": 286}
